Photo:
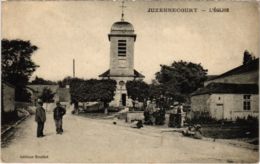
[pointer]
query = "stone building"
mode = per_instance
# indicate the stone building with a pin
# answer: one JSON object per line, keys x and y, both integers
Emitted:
{"x": 63, "y": 96}
{"x": 122, "y": 39}
{"x": 230, "y": 95}
{"x": 37, "y": 89}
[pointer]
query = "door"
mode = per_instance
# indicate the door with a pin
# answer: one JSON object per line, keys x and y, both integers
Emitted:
{"x": 219, "y": 111}
{"x": 123, "y": 99}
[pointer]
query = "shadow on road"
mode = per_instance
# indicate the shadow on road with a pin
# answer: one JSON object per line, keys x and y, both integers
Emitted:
{"x": 7, "y": 137}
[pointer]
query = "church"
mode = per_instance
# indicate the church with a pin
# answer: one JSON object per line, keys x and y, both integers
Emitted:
{"x": 122, "y": 39}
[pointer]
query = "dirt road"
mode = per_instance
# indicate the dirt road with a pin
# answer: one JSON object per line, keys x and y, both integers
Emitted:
{"x": 89, "y": 140}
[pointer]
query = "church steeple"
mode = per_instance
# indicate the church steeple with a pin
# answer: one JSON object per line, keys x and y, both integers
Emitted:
{"x": 122, "y": 38}
{"x": 122, "y": 15}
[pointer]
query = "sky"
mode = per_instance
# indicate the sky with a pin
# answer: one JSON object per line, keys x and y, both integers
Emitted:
{"x": 67, "y": 30}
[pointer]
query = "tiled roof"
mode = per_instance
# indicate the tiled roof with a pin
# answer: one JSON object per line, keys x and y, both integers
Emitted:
{"x": 210, "y": 77}
{"x": 136, "y": 74}
{"x": 253, "y": 65}
{"x": 227, "y": 88}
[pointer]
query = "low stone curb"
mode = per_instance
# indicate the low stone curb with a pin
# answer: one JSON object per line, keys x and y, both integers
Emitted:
{"x": 17, "y": 123}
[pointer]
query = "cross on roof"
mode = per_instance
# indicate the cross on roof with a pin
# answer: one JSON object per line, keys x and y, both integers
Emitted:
{"x": 122, "y": 6}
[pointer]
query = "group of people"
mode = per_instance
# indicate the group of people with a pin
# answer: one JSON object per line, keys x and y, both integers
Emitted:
{"x": 154, "y": 113}
{"x": 40, "y": 118}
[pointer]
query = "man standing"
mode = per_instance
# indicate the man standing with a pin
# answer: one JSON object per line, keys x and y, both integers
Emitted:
{"x": 40, "y": 118}
{"x": 58, "y": 113}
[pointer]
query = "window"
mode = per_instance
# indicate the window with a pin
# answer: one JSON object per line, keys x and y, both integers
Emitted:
{"x": 121, "y": 47}
{"x": 247, "y": 104}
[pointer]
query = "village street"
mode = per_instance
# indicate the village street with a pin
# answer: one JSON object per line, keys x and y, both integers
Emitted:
{"x": 90, "y": 140}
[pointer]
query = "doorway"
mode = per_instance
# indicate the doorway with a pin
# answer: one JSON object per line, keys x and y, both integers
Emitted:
{"x": 219, "y": 111}
{"x": 123, "y": 98}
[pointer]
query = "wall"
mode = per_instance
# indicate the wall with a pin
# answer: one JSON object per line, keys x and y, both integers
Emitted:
{"x": 199, "y": 103}
{"x": 116, "y": 67}
{"x": 8, "y": 98}
{"x": 244, "y": 78}
{"x": 232, "y": 105}
{"x": 121, "y": 90}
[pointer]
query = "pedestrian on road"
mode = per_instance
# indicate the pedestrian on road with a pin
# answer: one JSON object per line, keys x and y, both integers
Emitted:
{"x": 58, "y": 113}
{"x": 40, "y": 118}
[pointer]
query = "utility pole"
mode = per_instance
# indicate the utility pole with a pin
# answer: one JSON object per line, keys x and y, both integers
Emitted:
{"x": 73, "y": 68}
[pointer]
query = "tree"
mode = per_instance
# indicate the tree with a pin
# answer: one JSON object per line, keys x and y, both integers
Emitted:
{"x": 77, "y": 89}
{"x": 66, "y": 81}
{"x": 104, "y": 90}
{"x": 137, "y": 90}
{"x": 248, "y": 57}
{"x": 181, "y": 79}
{"x": 39, "y": 80}
{"x": 17, "y": 66}
{"x": 92, "y": 90}
{"x": 47, "y": 95}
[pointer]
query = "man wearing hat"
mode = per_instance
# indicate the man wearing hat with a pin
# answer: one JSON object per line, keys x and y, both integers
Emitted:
{"x": 40, "y": 118}
{"x": 58, "y": 113}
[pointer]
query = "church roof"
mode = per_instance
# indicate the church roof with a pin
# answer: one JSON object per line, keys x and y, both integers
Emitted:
{"x": 136, "y": 74}
{"x": 122, "y": 26}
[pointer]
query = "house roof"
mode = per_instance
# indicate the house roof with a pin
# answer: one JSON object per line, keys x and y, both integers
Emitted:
{"x": 227, "y": 88}
{"x": 210, "y": 77}
{"x": 136, "y": 74}
{"x": 251, "y": 66}
{"x": 39, "y": 88}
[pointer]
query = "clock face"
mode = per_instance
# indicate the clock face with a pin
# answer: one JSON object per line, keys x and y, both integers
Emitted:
{"x": 121, "y": 83}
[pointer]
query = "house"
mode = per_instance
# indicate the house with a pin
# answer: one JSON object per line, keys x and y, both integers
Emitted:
{"x": 8, "y": 97}
{"x": 230, "y": 95}
{"x": 63, "y": 95}
{"x": 244, "y": 74}
{"x": 37, "y": 89}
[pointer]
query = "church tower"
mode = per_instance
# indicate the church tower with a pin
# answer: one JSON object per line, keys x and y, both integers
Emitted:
{"x": 122, "y": 39}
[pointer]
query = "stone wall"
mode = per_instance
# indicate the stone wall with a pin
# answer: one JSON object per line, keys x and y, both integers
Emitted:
{"x": 8, "y": 98}
{"x": 226, "y": 106}
{"x": 122, "y": 65}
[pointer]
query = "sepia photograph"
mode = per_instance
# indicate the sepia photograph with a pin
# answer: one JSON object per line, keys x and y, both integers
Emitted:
{"x": 130, "y": 81}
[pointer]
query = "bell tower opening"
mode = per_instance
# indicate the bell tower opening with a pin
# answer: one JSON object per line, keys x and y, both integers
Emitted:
{"x": 121, "y": 47}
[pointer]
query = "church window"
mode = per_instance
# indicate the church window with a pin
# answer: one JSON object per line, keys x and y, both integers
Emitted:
{"x": 121, "y": 47}
{"x": 247, "y": 102}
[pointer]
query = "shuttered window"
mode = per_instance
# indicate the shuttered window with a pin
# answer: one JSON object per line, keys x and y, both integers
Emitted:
{"x": 121, "y": 47}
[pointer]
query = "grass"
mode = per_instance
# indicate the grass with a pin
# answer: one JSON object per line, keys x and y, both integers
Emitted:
{"x": 224, "y": 129}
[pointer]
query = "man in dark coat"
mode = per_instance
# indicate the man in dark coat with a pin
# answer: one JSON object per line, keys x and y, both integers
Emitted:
{"x": 40, "y": 118}
{"x": 58, "y": 113}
